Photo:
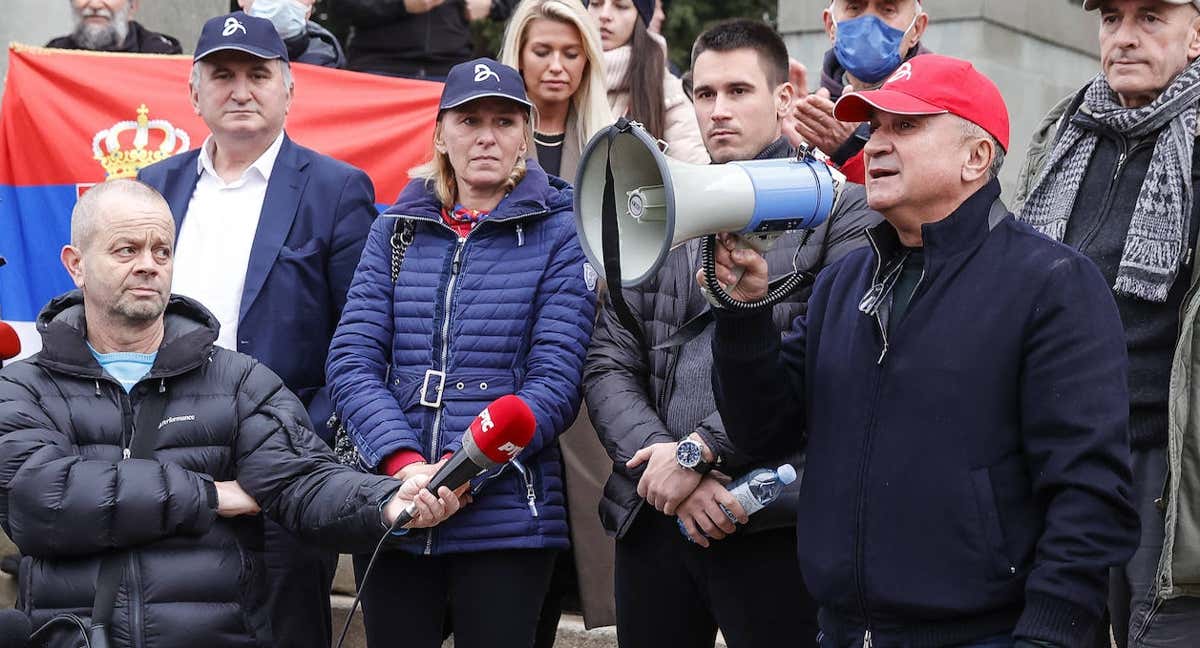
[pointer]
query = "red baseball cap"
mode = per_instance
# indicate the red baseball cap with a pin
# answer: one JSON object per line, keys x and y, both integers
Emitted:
{"x": 932, "y": 84}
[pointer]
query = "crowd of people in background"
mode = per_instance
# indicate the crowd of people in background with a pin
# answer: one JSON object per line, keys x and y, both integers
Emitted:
{"x": 992, "y": 406}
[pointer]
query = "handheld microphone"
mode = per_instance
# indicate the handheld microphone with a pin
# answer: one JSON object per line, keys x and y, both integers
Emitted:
{"x": 497, "y": 435}
{"x": 10, "y": 343}
{"x": 15, "y": 629}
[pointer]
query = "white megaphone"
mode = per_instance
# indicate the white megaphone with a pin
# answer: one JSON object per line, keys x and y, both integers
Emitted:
{"x": 655, "y": 203}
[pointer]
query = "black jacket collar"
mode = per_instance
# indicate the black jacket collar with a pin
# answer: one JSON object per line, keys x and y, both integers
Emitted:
{"x": 962, "y": 231}
{"x": 187, "y": 341}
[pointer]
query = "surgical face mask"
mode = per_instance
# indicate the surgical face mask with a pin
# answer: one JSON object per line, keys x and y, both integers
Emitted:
{"x": 868, "y": 47}
{"x": 289, "y": 17}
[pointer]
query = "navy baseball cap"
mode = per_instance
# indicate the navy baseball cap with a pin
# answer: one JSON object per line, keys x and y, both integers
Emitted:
{"x": 241, "y": 32}
{"x": 483, "y": 77}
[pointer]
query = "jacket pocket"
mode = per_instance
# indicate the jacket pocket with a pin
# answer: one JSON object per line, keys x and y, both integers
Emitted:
{"x": 306, "y": 250}
{"x": 989, "y": 519}
{"x": 1007, "y": 515}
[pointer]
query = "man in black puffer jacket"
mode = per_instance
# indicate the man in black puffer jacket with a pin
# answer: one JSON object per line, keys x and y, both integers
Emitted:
{"x": 232, "y": 439}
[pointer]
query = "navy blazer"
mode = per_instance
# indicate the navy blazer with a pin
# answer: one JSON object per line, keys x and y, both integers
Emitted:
{"x": 311, "y": 232}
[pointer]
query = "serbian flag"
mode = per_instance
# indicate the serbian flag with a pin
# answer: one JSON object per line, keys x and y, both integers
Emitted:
{"x": 72, "y": 119}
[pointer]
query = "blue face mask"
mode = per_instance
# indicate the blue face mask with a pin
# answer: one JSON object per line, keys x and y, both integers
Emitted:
{"x": 288, "y": 16}
{"x": 869, "y": 48}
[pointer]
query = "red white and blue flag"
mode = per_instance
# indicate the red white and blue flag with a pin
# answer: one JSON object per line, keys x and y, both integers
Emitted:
{"x": 72, "y": 119}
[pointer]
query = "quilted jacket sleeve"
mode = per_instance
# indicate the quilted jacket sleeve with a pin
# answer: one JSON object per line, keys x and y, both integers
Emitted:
{"x": 360, "y": 353}
{"x": 617, "y": 386}
{"x": 294, "y": 477}
{"x": 55, "y": 503}
{"x": 563, "y": 313}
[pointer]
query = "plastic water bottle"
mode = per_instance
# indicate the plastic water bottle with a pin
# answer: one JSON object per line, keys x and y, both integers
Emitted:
{"x": 755, "y": 490}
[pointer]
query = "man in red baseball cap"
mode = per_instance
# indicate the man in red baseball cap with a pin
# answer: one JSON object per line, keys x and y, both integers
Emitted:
{"x": 1112, "y": 172}
{"x": 959, "y": 387}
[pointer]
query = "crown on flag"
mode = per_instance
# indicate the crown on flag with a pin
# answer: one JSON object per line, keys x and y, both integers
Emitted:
{"x": 124, "y": 159}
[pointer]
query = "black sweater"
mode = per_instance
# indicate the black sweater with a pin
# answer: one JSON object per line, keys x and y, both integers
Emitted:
{"x": 1098, "y": 227}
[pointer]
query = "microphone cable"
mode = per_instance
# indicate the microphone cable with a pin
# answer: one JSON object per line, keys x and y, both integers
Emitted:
{"x": 362, "y": 585}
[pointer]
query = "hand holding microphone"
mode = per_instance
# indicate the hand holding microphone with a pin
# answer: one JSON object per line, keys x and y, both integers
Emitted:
{"x": 497, "y": 435}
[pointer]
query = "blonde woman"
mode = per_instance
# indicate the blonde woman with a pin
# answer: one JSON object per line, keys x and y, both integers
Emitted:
{"x": 556, "y": 47}
{"x": 639, "y": 85}
{"x": 488, "y": 299}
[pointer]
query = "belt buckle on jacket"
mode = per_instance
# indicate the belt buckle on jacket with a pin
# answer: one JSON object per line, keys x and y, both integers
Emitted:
{"x": 441, "y": 383}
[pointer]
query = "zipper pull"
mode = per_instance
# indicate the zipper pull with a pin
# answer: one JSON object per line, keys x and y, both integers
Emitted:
{"x": 455, "y": 267}
{"x": 520, "y": 235}
{"x": 162, "y": 386}
{"x": 870, "y": 301}
{"x": 97, "y": 387}
{"x": 125, "y": 453}
{"x": 531, "y": 498}
{"x": 867, "y": 639}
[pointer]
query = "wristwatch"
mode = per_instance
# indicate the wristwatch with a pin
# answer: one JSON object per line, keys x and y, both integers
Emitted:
{"x": 690, "y": 455}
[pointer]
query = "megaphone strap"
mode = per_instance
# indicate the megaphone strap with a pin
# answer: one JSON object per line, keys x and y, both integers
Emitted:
{"x": 611, "y": 242}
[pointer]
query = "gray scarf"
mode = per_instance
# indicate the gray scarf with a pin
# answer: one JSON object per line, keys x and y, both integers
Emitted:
{"x": 1156, "y": 243}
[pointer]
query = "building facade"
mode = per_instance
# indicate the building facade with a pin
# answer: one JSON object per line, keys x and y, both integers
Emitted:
{"x": 1037, "y": 51}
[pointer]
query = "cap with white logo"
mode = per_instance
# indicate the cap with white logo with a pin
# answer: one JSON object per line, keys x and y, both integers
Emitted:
{"x": 481, "y": 78}
{"x": 238, "y": 31}
{"x": 1089, "y": 5}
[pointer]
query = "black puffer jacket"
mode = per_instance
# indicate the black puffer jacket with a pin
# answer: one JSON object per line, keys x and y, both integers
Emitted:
{"x": 628, "y": 387}
{"x": 67, "y": 498}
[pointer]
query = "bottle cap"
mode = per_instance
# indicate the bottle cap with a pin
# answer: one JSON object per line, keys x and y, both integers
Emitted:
{"x": 787, "y": 474}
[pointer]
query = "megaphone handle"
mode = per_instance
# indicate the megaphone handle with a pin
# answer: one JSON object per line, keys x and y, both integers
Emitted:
{"x": 758, "y": 242}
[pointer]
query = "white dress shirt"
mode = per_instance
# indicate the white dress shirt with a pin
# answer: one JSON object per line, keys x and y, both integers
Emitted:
{"x": 213, "y": 248}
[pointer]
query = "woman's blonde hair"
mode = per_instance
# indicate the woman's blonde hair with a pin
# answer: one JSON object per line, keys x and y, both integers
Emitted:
{"x": 439, "y": 176}
{"x": 590, "y": 101}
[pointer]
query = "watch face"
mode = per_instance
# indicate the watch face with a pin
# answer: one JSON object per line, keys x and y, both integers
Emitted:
{"x": 688, "y": 454}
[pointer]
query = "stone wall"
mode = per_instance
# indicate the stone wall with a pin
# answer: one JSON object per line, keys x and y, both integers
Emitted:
{"x": 1037, "y": 51}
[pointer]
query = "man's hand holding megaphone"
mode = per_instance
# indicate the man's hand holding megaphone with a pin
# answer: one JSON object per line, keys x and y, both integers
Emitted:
{"x": 740, "y": 268}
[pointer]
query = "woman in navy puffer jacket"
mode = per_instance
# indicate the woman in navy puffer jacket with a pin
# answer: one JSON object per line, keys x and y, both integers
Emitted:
{"x": 492, "y": 298}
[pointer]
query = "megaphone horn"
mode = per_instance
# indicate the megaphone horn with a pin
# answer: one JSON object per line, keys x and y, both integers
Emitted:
{"x": 656, "y": 202}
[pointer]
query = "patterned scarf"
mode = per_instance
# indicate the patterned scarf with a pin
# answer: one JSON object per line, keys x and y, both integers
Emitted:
{"x": 461, "y": 219}
{"x": 1156, "y": 243}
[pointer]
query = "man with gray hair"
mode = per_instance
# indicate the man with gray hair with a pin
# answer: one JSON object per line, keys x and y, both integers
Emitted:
{"x": 269, "y": 235}
{"x": 106, "y": 25}
{"x": 960, "y": 390}
{"x": 1114, "y": 174}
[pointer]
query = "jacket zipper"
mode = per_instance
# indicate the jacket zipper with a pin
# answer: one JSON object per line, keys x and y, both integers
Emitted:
{"x": 460, "y": 244}
{"x": 455, "y": 267}
{"x": 874, "y": 282}
{"x": 530, "y": 495}
{"x": 1125, "y": 153}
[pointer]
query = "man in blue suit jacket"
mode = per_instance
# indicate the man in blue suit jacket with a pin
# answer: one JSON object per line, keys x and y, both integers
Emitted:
{"x": 269, "y": 235}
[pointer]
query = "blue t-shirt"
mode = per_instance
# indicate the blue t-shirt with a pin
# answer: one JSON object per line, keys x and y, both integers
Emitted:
{"x": 127, "y": 368}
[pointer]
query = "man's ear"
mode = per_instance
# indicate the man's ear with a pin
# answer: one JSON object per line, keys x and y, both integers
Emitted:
{"x": 830, "y": 26}
{"x": 785, "y": 97}
{"x": 194, "y": 96}
{"x": 1193, "y": 46}
{"x": 918, "y": 30}
{"x": 72, "y": 260}
{"x": 980, "y": 154}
